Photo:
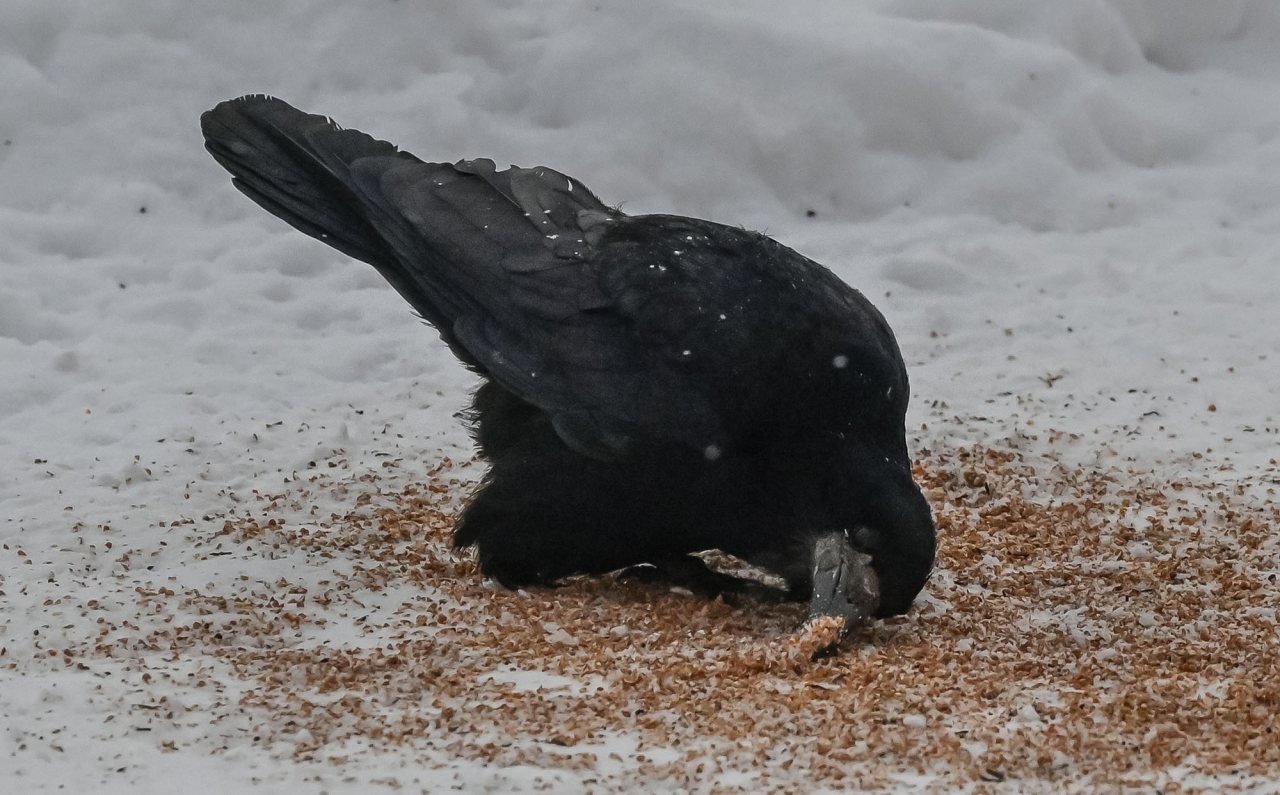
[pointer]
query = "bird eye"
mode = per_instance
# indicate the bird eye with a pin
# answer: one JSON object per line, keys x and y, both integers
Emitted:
{"x": 862, "y": 538}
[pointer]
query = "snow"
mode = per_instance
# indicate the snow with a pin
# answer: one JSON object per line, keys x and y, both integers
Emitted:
{"x": 1068, "y": 212}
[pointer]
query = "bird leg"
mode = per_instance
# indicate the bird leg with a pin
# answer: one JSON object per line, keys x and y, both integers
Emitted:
{"x": 693, "y": 574}
{"x": 844, "y": 586}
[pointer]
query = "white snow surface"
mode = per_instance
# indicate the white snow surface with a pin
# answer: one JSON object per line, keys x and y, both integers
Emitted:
{"x": 1069, "y": 213}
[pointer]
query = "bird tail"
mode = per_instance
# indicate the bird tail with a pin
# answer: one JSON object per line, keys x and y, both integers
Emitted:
{"x": 297, "y": 167}
{"x": 455, "y": 240}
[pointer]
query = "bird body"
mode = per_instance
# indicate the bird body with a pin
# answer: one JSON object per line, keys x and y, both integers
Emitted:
{"x": 654, "y": 386}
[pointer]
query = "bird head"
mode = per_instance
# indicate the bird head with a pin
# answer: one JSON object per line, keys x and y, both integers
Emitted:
{"x": 886, "y": 517}
{"x": 899, "y": 536}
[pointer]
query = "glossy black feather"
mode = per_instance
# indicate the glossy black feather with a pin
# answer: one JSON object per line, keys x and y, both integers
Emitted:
{"x": 656, "y": 385}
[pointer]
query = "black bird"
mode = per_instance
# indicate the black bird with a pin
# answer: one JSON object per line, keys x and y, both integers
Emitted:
{"x": 654, "y": 386}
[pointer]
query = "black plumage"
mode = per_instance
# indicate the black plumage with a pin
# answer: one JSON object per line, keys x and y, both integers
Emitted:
{"x": 654, "y": 386}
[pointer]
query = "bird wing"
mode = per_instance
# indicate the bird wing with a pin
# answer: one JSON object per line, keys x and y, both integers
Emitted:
{"x": 616, "y": 326}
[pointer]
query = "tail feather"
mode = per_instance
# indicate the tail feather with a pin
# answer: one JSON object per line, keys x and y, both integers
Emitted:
{"x": 454, "y": 240}
{"x": 268, "y": 148}
{"x": 332, "y": 184}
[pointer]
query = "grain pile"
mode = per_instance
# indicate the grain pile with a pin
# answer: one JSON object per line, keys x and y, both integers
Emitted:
{"x": 1081, "y": 628}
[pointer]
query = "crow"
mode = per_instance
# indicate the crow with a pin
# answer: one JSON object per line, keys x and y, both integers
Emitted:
{"x": 653, "y": 386}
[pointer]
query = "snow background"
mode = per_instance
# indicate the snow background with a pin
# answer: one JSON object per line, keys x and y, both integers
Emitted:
{"x": 1069, "y": 212}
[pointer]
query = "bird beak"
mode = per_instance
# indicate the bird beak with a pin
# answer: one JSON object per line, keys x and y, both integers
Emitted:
{"x": 844, "y": 584}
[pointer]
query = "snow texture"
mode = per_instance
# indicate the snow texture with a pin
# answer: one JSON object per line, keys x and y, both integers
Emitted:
{"x": 1069, "y": 212}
